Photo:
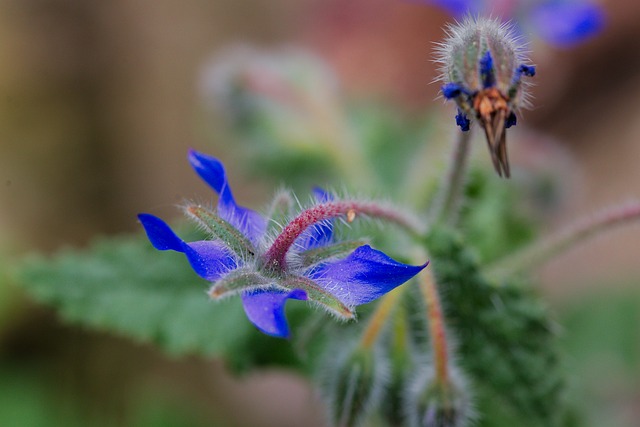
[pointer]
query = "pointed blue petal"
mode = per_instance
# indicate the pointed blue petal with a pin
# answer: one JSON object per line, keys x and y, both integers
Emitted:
{"x": 567, "y": 23}
{"x": 160, "y": 234}
{"x": 211, "y": 170}
{"x": 265, "y": 309}
{"x": 319, "y": 234}
{"x": 363, "y": 276}
{"x": 209, "y": 259}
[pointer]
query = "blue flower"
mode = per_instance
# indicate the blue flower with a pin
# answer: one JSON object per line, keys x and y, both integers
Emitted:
{"x": 562, "y": 23}
{"x": 336, "y": 276}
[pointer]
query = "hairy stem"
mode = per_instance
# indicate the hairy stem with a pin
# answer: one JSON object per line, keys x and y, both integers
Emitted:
{"x": 448, "y": 200}
{"x": 379, "y": 317}
{"x": 542, "y": 251}
{"x": 275, "y": 257}
{"x": 436, "y": 327}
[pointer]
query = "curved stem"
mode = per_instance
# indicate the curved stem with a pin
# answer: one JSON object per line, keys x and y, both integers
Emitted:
{"x": 436, "y": 327}
{"x": 379, "y": 317}
{"x": 275, "y": 257}
{"x": 540, "y": 252}
{"x": 448, "y": 200}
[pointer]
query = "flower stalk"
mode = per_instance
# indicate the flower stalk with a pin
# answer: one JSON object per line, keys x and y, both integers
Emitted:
{"x": 448, "y": 203}
{"x": 275, "y": 257}
{"x": 379, "y": 318}
{"x": 436, "y": 328}
{"x": 542, "y": 251}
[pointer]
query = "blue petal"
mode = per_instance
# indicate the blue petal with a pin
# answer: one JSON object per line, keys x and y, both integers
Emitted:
{"x": 209, "y": 259}
{"x": 160, "y": 234}
{"x": 319, "y": 234}
{"x": 211, "y": 170}
{"x": 363, "y": 276}
{"x": 265, "y": 309}
{"x": 565, "y": 24}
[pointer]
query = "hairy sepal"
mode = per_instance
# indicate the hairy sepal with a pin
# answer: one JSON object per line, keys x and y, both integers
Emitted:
{"x": 321, "y": 254}
{"x": 222, "y": 230}
{"x": 320, "y": 296}
{"x": 238, "y": 281}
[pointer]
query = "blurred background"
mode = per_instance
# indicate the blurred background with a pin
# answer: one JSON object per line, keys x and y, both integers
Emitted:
{"x": 99, "y": 102}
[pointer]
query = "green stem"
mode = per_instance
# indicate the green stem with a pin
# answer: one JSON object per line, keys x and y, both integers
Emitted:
{"x": 379, "y": 317}
{"x": 540, "y": 252}
{"x": 436, "y": 328}
{"x": 448, "y": 200}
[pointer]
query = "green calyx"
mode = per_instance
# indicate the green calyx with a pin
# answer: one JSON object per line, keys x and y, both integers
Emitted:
{"x": 355, "y": 389}
{"x": 237, "y": 281}
{"x": 318, "y": 255}
{"x": 319, "y": 295}
{"x": 222, "y": 230}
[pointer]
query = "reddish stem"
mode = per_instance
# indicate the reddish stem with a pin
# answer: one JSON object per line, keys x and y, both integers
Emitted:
{"x": 275, "y": 257}
{"x": 436, "y": 328}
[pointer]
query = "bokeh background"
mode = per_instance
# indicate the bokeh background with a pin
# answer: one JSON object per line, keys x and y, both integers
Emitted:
{"x": 99, "y": 102}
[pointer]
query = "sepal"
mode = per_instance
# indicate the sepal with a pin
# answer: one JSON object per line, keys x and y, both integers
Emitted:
{"x": 238, "y": 281}
{"x": 211, "y": 170}
{"x": 222, "y": 230}
{"x": 320, "y": 296}
{"x": 322, "y": 254}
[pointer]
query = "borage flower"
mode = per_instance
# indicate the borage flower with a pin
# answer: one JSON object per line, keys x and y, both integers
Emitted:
{"x": 302, "y": 262}
{"x": 562, "y": 23}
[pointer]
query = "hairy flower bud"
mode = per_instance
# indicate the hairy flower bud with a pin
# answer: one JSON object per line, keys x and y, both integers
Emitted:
{"x": 354, "y": 384}
{"x": 430, "y": 403}
{"x": 482, "y": 64}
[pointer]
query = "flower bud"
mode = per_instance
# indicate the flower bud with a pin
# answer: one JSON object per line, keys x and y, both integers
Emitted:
{"x": 482, "y": 64}
{"x": 354, "y": 385}
{"x": 431, "y": 403}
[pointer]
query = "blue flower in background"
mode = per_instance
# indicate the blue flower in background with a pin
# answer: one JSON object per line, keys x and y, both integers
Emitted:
{"x": 336, "y": 276}
{"x": 562, "y": 23}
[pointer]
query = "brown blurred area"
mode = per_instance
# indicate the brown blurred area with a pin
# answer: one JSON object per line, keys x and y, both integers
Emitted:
{"x": 99, "y": 103}
{"x": 98, "y": 106}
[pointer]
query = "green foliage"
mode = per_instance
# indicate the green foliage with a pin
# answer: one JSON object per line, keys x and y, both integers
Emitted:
{"x": 491, "y": 219}
{"x": 389, "y": 142}
{"x": 504, "y": 335}
{"x": 600, "y": 337}
{"x": 125, "y": 286}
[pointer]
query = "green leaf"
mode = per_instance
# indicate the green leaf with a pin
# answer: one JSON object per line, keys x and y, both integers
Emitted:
{"x": 504, "y": 334}
{"x": 125, "y": 286}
